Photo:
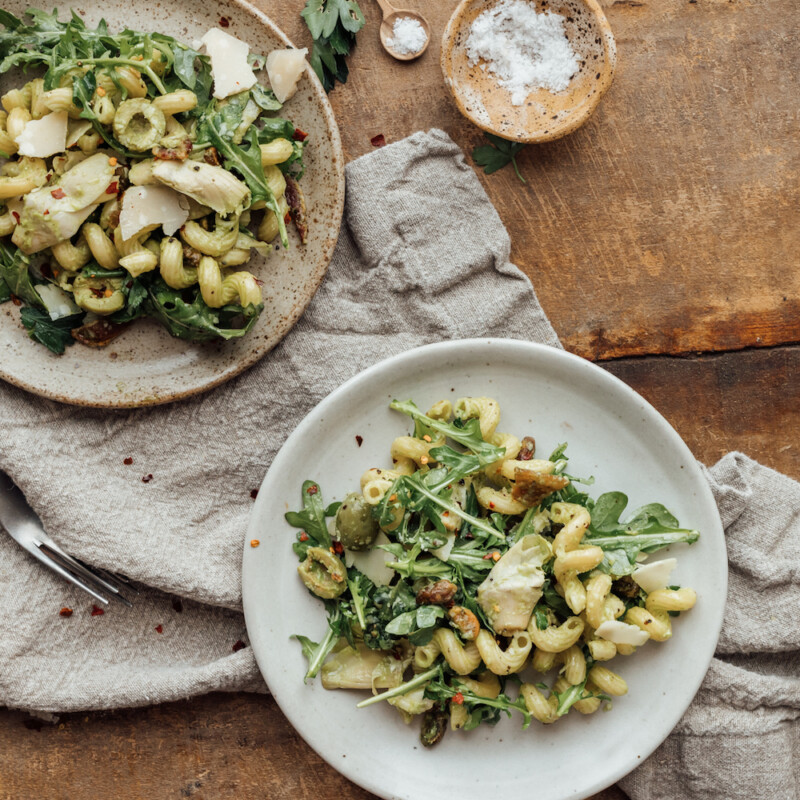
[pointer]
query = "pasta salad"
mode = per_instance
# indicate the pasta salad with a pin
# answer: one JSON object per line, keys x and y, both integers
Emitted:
{"x": 139, "y": 174}
{"x": 473, "y": 578}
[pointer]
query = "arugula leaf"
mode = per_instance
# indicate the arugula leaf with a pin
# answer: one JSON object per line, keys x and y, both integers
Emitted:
{"x": 14, "y": 273}
{"x": 467, "y": 434}
{"x": 311, "y": 520}
{"x": 439, "y": 690}
{"x": 265, "y": 98}
{"x": 360, "y": 586}
{"x": 497, "y": 155}
{"x": 196, "y": 321}
{"x": 554, "y": 600}
{"x": 135, "y": 302}
{"x": 5, "y": 292}
{"x": 55, "y": 335}
{"x": 316, "y": 653}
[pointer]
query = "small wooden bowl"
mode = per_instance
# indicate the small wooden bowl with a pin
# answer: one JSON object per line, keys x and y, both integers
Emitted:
{"x": 544, "y": 115}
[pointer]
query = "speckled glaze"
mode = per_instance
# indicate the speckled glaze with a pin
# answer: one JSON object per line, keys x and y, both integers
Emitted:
{"x": 146, "y": 366}
{"x": 544, "y": 115}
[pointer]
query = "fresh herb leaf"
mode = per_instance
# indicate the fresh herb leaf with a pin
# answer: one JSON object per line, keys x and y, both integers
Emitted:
{"x": 338, "y": 627}
{"x": 14, "y": 273}
{"x": 311, "y": 520}
{"x": 5, "y": 292}
{"x": 55, "y": 335}
{"x": 333, "y": 25}
{"x": 497, "y": 155}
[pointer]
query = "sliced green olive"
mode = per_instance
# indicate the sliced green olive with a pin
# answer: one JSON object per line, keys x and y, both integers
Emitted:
{"x": 356, "y": 528}
{"x": 323, "y": 573}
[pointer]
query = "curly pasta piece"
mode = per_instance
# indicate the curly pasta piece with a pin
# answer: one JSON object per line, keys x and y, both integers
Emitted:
{"x": 499, "y": 501}
{"x": 543, "y": 661}
{"x": 418, "y": 450}
{"x": 441, "y": 410}
{"x": 131, "y": 81}
{"x": 607, "y": 681}
{"x": 212, "y": 243}
{"x": 485, "y": 409}
{"x": 218, "y": 291}
{"x": 17, "y": 98}
{"x": 7, "y": 223}
{"x": 269, "y": 228}
{"x": 376, "y": 482}
{"x": 574, "y": 665}
{"x": 556, "y": 638}
{"x": 134, "y": 257}
{"x": 276, "y": 152}
{"x": 504, "y": 662}
{"x": 22, "y": 176}
{"x": 100, "y": 245}
{"x": 656, "y": 623}
{"x": 58, "y": 100}
{"x": 70, "y": 256}
{"x": 18, "y": 118}
{"x": 671, "y": 600}
{"x": 597, "y": 589}
{"x": 542, "y": 708}
{"x": 462, "y": 659}
{"x": 176, "y": 102}
{"x": 173, "y": 270}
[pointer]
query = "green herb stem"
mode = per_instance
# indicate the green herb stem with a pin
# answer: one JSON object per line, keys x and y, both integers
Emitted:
{"x": 404, "y": 688}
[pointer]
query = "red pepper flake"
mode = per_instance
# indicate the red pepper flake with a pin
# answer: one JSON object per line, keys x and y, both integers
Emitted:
{"x": 487, "y": 557}
{"x": 254, "y": 543}
{"x": 46, "y": 212}
{"x": 58, "y": 194}
{"x": 312, "y": 489}
{"x": 338, "y": 548}
{"x": 238, "y": 645}
{"x": 16, "y": 216}
{"x": 97, "y": 612}
{"x": 224, "y": 22}
{"x": 127, "y": 461}
{"x": 159, "y": 629}
{"x": 378, "y": 141}
{"x": 65, "y": 612}
{"x": 299, "y": 136}
{"x": 113, "y": 188}
{"x": 147, "y": 478}
{"x": 458, "y": 699}
{"x": 359, "y": 440}
{"x": 254, "y": 493}
{"x": 303, "y": 537}
{"x": 491, "y": 505}
{"x": 15, "y": 300}
{"x": 177, "y": 604}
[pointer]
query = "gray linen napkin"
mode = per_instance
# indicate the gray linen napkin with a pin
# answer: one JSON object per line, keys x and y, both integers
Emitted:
{"x": 421, "y": 241}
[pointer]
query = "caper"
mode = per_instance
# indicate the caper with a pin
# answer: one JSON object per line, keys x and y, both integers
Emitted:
{"x": 323, "y": 573}
{"x": 356, "y": 528}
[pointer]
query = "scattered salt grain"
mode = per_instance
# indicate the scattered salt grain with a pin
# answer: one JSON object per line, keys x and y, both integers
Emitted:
{"x": 408, "y": 36}
{"x": 523, "y": 49}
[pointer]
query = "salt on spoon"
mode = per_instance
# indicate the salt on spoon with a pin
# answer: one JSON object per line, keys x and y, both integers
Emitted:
{"x": 405, "y": 34}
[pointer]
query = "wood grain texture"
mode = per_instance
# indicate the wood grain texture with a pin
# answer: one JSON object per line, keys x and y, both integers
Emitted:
{"x": 670, "y": 222}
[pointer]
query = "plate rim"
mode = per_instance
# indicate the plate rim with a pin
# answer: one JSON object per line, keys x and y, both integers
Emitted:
{"x": 250, "y": 606}
{"x": 314, "y": 281}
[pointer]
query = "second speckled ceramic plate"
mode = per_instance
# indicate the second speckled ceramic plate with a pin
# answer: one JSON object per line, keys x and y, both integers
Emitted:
{"x": 146, "y": 366}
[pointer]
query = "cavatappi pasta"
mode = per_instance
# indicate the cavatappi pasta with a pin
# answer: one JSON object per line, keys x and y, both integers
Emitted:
{"x": 137, "y": 180}
{"x": 481, "y": 564}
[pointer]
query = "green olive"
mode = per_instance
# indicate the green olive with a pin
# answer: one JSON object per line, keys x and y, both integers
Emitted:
{"x": 356, "y": 528}
{"x": 323, "y": 573}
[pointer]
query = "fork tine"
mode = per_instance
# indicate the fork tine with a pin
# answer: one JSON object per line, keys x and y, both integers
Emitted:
{"x": 49, "y": 561}
{"x": 115, "y": 578}
{"x": 74, "y": 566}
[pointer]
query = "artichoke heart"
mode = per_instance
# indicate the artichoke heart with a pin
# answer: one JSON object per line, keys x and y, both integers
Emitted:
{"x": 363, "y": 668}
{"x": 54, "y": 212}
{"x": 211, "y": 186}
{"x": 513, "y": 587}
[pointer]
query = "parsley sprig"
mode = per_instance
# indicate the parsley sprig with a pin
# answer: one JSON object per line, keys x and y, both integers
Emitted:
{"x": 497, "y": 155}
{"x": 333, "y": 25}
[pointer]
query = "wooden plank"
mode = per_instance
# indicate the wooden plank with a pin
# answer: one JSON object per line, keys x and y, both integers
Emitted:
{"x": 218, "y": 747}
{"x": 670, "y": 222}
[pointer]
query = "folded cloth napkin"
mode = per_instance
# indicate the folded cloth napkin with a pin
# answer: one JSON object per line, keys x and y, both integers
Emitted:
{"x": 420, "y": 253}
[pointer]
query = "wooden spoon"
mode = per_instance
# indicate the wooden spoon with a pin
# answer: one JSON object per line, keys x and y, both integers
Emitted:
{"x": 390, "y": 16}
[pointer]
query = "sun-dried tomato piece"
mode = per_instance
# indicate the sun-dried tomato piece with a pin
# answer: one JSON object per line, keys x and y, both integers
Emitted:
{"x": 528, "y": 449}
{"x": 211, "y": 156}
{"x": 297, "y": 207}
{"x": 378, "y": 141}
{"x": 440, "y": 593}
{"x": 299, "y": 136}
{"x": 98, "y": 333}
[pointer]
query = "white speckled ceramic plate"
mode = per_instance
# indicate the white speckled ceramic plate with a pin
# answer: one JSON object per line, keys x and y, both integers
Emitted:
{"x": 146, "y": 366}
{"x": 614, "y": 435}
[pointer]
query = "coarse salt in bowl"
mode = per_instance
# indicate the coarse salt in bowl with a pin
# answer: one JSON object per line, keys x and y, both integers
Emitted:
{"x": 529, "y": 72}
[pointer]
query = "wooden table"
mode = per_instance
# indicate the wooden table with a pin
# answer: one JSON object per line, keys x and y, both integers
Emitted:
{"x": 662, "y": 239}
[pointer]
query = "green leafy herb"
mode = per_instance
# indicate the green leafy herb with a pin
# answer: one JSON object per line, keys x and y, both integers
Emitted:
{"x": 333, "y": 25}
{"x": 135, "y": 302}
{"x": 497, "y": 155}
{"x": 311, "y": 520}
{"x": 316, "y": 653}
{"x": 14, "y": 273}
{"x": 5, "y": 292}
{"x": 55, "y": 335}
{"x": 195, "y": 320}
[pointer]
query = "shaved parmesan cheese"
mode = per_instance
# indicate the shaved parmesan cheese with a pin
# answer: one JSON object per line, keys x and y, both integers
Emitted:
{"x": 57, "y": 302}
{"x": 372, "y": 562}
{"x": 656, "y": 575}
{"x": 284, "y": 68}
{"x": 443, "y": 552}
{"x": 622, "y": 633}
{"x": 151, "y": 206}
{"x": 229, "y": 67}
{"x": 44, "y": 137}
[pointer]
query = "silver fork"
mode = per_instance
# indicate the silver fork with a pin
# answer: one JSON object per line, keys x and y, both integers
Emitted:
{"x": 22, "y": 525}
